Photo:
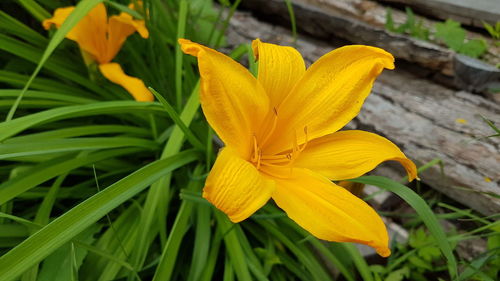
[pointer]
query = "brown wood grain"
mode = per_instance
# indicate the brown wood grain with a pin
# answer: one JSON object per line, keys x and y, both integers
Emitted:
{"x": 362, "y": 22}
{"x": 469, "y": 12}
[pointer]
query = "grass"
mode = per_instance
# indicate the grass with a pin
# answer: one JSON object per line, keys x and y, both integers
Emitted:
{"x": 96, "y": 186}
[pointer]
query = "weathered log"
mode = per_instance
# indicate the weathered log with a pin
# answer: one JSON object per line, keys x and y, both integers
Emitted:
{"x": 426, "y": 120}
{"x": 465, "y": 11}
{"x": 472, "y": 74}
{"x": 362, "y": 22}
{"x": 325, "y": 21}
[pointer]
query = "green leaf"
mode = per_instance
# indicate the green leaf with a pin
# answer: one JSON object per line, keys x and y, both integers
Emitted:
{"x": 178, "y": 121}
{"x": 35, "y": 9}
{"x": 474, "y": 48}
{"x": 398, "y": 275}
{"x": 125, "y": 9}
{"x": 58, "y": 265}
{"x": 179, "y": 228}
{"x": 451, "y": 34}
{"x": 293, "y": 23}
{"x": 81, "y": 9}
{"x": 19, "y": 29}
{"x": 11, "y": 128}
{"x": 70, "y": 132}
{"x": 494, "y": 31}
{"x": 160, "y": 190}
{"x": 420, "y": 263}
{"x": 49, "y": 169}
{"x": 9, "y": 151}
{"x": 73, "y": 222}
{"x": 233, "y": 247}
{"x": 389, "y": 21}
{"x": 359, "y": 262}
{"x": 422, "y": 209}
{"x": 181, "y": 30}
{"x": 202, "y": 240}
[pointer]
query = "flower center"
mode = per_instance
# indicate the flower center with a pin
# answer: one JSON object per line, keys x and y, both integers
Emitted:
{"x": 263, "y": 161}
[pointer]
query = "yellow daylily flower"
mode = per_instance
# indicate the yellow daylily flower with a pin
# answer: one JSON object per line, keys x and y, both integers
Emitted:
{"x": 101, "y": 38}
{"x": 281, "y": 139}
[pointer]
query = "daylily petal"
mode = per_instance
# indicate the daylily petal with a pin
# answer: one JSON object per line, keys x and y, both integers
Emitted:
{"x": 119, "y": 28}
{"x": 232, "y": 100}
{"x": 136, "y": 5}
{"x": 280, "y": 68}
{"x": 60, "y": 15}
{"x": 329, "y": 95}
{"x": 114, "y": 73}
{"x": 139, "y": 25}
{"x": 329, "y": 211}
{"x": 235, "y": 186}
{"x": 90, "y": 32}
{"x": 350, "y": 154}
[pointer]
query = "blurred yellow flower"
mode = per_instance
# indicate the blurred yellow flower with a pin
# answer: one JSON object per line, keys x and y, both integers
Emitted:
{"x": 280, "y": 137}
{"x": 101, "y": 38}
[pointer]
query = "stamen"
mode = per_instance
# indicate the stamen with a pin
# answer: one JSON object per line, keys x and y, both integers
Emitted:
{"x": 268, "y": 164}
{"x": 273, "y": 157}
{"x": 283, "y": 160}
{"x": 273, "y": 127}
{"x": 255, "y": 149}
{"x": 297, "y": 149}
{"x": 305, "y": 141}
{"x": 257, "y": 153}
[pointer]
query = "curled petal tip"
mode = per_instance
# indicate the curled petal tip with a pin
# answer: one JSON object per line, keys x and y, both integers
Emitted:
{"x": 189, "y": 47}
{"x": 411, "y": 169}
{"x": 183, "y": 41}
{"x": 386, "y": 58}
{"x": 46, "y": 24}
{"x": 255, "y": 48}
{"x": 383, "y": 251}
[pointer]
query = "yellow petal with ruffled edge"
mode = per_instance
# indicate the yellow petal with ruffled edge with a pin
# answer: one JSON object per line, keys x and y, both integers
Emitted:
{"x": 280, "y": 68}
{"x": 60, "y": 15}
{"x": 232, "y": 100}
{"x": 89, "y": 32}
{"x": 329, "y": 95}
{"x": 96, "y": 35}
{"x": 114, "y": 73}
{"x": 329, "y": 211}
{"x": 139, "y": 25}
{"x": 350, "y": 154}
{"x": 119, "y": 28}
{"x": 235, "y": 186}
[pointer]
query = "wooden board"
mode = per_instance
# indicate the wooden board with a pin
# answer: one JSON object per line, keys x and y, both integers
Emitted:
{"x": 362, "y": 22}
{"x": 470, "y": 12}
{"x": 418, "y": 115}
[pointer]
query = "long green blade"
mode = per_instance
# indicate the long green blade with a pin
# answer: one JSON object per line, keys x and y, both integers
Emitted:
{"x": 67, "y": 226}
{"x": 81, "y": 9}
{"x": 10, "y": 128}
{"x": 422, "y": 209}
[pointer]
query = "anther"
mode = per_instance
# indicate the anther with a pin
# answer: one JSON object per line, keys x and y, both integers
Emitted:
{"x": 273, "y": 127}
{"x": 255, "y": 149}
